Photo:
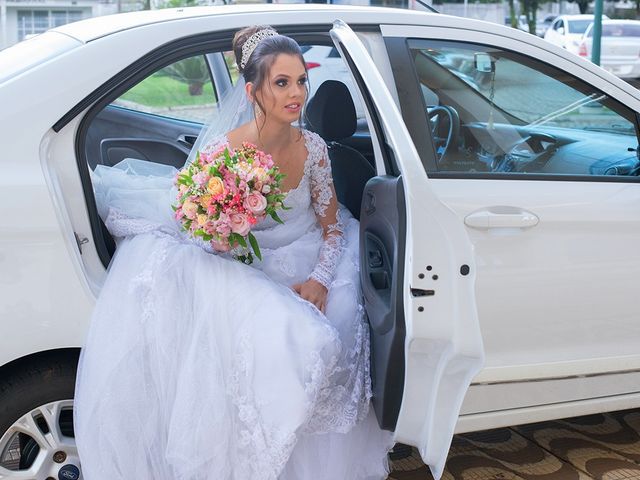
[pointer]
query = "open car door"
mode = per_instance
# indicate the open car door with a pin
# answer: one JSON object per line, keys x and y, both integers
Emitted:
{"x": 418, "y": 274}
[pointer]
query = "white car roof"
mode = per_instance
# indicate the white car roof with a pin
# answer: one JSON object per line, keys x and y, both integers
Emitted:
{"x": 93, "y": 28}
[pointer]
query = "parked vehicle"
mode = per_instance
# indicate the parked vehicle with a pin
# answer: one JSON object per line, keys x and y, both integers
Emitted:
{"x": 619, "y": 47}
{"x": 325, "y": 63}
{"x": 567, "y": 30}
{"x": 499, "y": 180}
{"x": 543, "y": 25}
{"x": 521, "y": 22}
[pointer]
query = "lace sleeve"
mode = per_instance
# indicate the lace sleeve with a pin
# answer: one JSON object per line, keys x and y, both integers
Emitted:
{"x": 325, "y": 205}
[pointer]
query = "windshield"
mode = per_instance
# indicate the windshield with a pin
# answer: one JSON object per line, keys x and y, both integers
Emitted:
{"x": 619, "y": 30}
{"x": 579, "y": 26}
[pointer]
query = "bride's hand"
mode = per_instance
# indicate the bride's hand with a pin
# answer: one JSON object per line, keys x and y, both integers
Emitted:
{"x": 314, "y": 292}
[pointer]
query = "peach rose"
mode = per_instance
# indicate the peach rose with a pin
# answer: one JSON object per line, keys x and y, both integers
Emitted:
{"x": 189, "y": 209}
{"x": 204, "y": 200}
{"x": 240, "y": 223}
{"x": 215, "y": 186}
{"x": 202, "y": 219}
{"x": 255, "y": 203}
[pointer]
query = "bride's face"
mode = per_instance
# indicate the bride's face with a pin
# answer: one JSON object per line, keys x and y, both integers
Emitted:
{"x": 284, "y": 89}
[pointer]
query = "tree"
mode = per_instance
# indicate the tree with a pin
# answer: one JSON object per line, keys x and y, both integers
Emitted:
{"x": 583, "y": 5}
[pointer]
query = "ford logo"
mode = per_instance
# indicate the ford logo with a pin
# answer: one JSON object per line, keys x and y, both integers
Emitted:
{"x": 69, "y": 472}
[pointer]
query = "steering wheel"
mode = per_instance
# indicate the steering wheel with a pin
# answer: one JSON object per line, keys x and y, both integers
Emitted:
{"x": 442, "y": 116}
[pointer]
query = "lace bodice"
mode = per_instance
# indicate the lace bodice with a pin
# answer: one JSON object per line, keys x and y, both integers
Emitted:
{"x": 314, "y": 195}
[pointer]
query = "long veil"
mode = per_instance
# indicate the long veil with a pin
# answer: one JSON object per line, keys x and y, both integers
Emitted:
{"x": 145, "y": 189}
{"x": 232, "y": 110}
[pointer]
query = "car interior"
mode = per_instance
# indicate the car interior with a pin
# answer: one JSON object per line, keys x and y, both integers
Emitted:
{"x": 117, "y": 133}
{"x": 478, "y": 127}
{"x": 112, "y": 133}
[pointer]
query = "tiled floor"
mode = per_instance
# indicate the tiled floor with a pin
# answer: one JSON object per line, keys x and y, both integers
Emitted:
{"x": 594, "y": 447}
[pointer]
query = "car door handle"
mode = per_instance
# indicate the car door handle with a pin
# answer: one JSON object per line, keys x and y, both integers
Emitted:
{"x": 187, "y": 140}
{"x": 501, "y": 217}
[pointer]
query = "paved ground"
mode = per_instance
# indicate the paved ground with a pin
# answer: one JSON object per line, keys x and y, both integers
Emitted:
{"x": 594, "y": 447}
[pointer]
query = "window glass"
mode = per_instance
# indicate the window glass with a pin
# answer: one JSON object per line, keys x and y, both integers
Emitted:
{"x": 497, "y": 111}
{"x": 578, "y": 26}
{"x": 325, "y": 63}
{"x": 33, "y": 22}
{"x": 182, "y": 90}
{"x": 618, "y": 30}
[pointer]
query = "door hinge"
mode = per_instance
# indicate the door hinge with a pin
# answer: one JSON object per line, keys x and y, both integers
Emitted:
{"x": 80, "y": 241}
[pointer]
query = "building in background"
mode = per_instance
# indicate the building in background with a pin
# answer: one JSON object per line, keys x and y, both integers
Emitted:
{"x": 20, "y": 19}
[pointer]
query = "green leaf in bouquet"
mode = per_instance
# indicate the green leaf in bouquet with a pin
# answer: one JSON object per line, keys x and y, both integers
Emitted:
{"x": 207, "y": 237}
{"x": 187, "y": 224}
{"x": 254, "y": 245}
{"x": 275, "y": 216}
{"x": 227, "y": 158}
{"x": 237, "y": 238}
{"x": 174, "y": 207}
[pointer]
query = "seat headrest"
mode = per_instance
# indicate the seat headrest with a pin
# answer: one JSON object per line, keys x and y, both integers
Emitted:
{"x": 331, "y": 111}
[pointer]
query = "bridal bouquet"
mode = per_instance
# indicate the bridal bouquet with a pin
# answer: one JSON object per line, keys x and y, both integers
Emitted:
{"x": 224, "y": 192}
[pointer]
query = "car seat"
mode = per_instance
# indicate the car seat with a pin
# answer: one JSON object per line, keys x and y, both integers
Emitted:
{"x": 332, "y": 115}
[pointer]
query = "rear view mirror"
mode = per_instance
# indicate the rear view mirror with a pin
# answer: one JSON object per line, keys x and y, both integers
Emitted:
{"x": 484, "y": 63}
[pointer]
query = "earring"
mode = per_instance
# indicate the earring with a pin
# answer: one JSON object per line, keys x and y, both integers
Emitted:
{"x": 257, "y": 110}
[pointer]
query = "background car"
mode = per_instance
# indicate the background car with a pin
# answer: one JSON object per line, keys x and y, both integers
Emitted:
{"x": 497, "y": 180}
{"x": 567, "y": 30}
{"x": 619, "y": 48}
{"x": 325, "y": 63}
{"x": 521, "y": 21}
{"x": 542, "y": 25}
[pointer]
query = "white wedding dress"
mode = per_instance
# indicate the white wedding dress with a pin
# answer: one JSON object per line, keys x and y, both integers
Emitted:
{"x": 199, "y": 367}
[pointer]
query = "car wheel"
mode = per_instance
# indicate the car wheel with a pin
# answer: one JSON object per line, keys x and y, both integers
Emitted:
{"x": 36, "y": 421}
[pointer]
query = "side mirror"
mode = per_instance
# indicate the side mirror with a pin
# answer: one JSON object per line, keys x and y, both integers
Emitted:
{"x": 483, "y": 62}
{"x": 560, "y": 30}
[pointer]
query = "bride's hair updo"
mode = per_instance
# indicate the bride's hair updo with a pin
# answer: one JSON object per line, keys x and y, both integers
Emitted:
{"x": 257, "y": 65}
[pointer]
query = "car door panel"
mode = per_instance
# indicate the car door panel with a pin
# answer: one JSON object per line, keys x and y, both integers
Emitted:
{"x": 555, "y": 295}
{"x": 147, "y": 137}
{"x": 382, "y": 240}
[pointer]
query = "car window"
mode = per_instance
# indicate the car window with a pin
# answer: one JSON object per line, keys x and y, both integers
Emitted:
{"x": 325, "y": 63}
{"x": 182, "y": 91}
{"x": 496, "y": 111}
{"x": 557, "y": 25}
{"x": 578, "y": 26}
{"x": 618, "y": 30}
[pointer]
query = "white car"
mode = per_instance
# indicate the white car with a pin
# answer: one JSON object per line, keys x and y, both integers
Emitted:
{"x": 619, "y": 47}
{"x": 566, "y": 31}
{"x": 497, "y": 187}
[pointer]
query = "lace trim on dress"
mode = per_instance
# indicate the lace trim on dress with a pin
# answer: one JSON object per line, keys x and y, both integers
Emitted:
{"x": 318, "y": 167}
{"x": 329, "y": 256}
{"x": 322, "y": 195}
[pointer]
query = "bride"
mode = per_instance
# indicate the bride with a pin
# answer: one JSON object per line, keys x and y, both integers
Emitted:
{"x": 199, "y": 367}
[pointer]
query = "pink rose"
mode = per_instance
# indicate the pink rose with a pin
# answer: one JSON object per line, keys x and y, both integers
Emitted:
{"x": 220, "y": 246}
{"x": 255, "y": 203}
{"x": 240, "y": 223}
{"x": 201, "y": 179}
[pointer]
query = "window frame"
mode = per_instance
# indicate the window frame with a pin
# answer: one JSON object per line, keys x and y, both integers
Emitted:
{"x": 407, "y": 81}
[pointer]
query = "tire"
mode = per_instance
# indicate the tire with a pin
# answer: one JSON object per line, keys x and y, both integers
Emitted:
{"x": 36, "y": 418}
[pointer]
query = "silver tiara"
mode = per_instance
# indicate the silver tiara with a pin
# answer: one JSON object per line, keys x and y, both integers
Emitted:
{"x": 252, "y": 42}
